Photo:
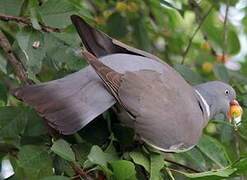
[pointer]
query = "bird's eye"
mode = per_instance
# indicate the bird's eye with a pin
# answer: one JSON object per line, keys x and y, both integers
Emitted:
{"x": 227, "y": 91}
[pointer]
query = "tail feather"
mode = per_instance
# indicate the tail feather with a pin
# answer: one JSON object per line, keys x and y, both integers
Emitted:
{"x": 68, "y": 104}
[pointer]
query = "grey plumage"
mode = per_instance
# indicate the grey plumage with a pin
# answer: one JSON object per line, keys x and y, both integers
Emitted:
{"x": 168, "y": 113}
{"x": 71, "y": 102}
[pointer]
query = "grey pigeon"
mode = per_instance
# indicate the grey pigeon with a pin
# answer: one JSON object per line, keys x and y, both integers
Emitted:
{"x": 164, "y": 110}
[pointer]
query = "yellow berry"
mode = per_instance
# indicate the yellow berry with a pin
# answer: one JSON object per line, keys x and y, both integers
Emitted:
{"x": 235, "y": 111}
{"x": 121, "y": 7}
{"x": 205, "y": 46}
{"x": 207, "y": 67}
{"x": 132, "y": 7}
{"x": 106, "y": 13}
{"x": 221, "y": 59}
{"x": 211, "y": 128}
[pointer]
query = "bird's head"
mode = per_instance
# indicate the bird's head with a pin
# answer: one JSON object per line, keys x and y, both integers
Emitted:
{"x": 221, "y": 98}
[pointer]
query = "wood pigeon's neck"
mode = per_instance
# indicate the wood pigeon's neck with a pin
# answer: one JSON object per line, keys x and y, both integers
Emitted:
{"x": 207, "y": 99}
{"x": 204, "y": 102}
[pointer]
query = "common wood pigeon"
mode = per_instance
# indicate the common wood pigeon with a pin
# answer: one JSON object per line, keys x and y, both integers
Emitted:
{"x": 164, "y": 110}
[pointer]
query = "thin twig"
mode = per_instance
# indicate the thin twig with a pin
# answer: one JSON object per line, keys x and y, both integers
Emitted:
{"x": 80, "y": 172}
{"x": 181, "y": 165}
{"x": 7, "y": 149}
{"x": 193, "y": 35}
{"x": 196, "y": 8}
{"x": 177, "y": 171}
{"x": 19, "y": 69}
{"x": 10, "y": 150}
{"x": 28, "y": 22}
{"x": 224, "y": 43}
{"x": 170, "y": 173}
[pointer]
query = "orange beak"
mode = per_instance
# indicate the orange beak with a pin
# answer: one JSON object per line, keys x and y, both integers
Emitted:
{"x": 234, "y": 111}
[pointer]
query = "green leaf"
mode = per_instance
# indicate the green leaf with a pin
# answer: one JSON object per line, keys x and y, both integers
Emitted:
{"x": 140, "y": 34}
{"x": 55, "y": 178}
{"x": 35, "y": 157}
{"x": 35, "y": 126}
{"x": 116, "y": 26}
{"x": 33, "y": 14}
{"x": 244, "y": 21}
{"x": 81, "y": 151}
{"x": 56, "y": 13}
{"x": 196, "y": 157}
{"x": 212, "y": 175}
{"x": 13, "y": 120}
{"x": 211, "y": 27}
{"x": 97, "y": 156}
{"x": 61, "y": 48}
{"x": 189, "y": 75}
{"x": 20, "y": 120}
{"x": 233, "y": 44}
{"x": 221, "y": 72}
{"x": 123, "y": 170}
{"x": 33, "y": 56}
{"x": 157, "y": 163}
{"x": 241, "y": 165}
{"x": 141, "y": 159}
{"x": 11, "y": 7}
{"x": 63, "y": 149}
{"x": 31, "y": 173}
{"x": 213, "y": 150}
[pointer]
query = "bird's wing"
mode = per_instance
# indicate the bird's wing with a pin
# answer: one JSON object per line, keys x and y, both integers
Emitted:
{"x": 111, "y": 78}
{"x": 167, "y": 112}
{"x": 99, "y": 44}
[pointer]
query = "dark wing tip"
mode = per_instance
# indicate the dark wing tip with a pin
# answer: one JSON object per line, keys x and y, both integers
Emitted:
{"x": 74, "y": 18}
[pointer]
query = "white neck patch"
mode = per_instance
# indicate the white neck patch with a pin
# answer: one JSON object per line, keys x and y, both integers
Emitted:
{"x": 204, "y": 102}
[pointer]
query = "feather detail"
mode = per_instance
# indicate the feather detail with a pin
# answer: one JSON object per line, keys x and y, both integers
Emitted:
{"x": 111, "y": 78}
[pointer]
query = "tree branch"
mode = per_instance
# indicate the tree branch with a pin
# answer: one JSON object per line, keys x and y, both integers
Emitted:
{"x": 79, "y": 172}
{"x": 196, "y": 8}
{"x": 224, "y": 43}
{"x": 7, "y": 149}
{"x": 27, "y": 22}
{"x": 19, "y": 69}
{"x": 195, "y": 32}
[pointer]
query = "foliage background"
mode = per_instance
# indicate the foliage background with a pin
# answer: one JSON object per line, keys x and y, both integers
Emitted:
{"x": 45, "y": 46}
